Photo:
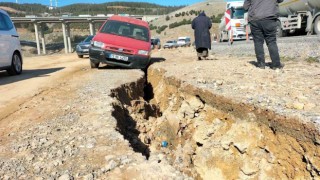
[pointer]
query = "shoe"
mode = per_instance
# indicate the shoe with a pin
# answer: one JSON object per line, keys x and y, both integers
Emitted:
{"x": 261, "y": 65}
{"x": 280, "y": 66}
{"x": 199, "y": 58}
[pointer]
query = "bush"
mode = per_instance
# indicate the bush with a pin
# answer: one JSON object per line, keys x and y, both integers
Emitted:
{"x": 177, "y": 24}
{"x": 167, "y": 18}
{"x": 162, "y": 28}
{"x": 152, "y": 27}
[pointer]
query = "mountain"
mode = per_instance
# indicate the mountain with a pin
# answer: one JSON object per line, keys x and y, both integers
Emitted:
{"x": 134, "y": 8}
{"x": 180, "y": 20}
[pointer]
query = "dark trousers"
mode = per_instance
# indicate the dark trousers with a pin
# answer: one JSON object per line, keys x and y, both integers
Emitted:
{"x": 265, "y": 30}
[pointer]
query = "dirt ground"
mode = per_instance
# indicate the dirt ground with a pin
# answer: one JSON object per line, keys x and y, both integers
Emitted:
{"x": 62, "y": 120}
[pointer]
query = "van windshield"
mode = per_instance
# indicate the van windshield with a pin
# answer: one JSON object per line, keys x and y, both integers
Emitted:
{"x": 126, "y": 29}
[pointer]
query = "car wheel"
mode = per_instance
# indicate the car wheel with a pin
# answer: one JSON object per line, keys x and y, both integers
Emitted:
{"x": 16, "y": 65}
{"x": 94, "y": 64}
{"x": 80, "y": 56}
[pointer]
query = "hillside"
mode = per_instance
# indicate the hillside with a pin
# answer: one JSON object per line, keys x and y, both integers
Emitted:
{"x": 211, "y": 8}
{"x": 135, "y": 8}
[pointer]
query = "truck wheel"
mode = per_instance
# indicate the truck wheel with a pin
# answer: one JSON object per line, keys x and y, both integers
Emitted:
{"x": 94, "y": 64}
{"x": 316, "y": 25}
{"x": 280, "y": 32}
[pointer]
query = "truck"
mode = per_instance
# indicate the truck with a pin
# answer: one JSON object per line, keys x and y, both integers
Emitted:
{"x": 299, "y": 16}
{"x": 237, "y": 21}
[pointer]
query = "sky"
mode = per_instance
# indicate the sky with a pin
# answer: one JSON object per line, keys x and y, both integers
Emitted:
{"x": 68, "y": 2}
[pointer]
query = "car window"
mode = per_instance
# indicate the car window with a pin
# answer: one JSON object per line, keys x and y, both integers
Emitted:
{"x": 88, "y": 39}
{"x": 5, "y": 22}
{"x": 126, "y": 29}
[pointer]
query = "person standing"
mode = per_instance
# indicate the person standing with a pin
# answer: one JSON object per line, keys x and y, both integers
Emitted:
{"x": 201, "y": 25}
{"x": 262, "y": 17}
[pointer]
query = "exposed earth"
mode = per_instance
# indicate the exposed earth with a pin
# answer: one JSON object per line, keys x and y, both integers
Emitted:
{"x": 185, "y": 119}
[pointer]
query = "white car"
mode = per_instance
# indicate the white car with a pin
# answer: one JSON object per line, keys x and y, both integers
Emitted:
{"x": 184, "y": 42}
{"x": 10, "y": 48}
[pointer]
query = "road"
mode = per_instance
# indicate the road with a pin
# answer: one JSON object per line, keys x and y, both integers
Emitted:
{"x": 57, "y": 121}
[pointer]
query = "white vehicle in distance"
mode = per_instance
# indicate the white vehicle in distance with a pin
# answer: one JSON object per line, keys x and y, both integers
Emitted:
{"x": 10, "y": 48}
{"x": 170, "y": 44}
{"x": 184, "y": 41}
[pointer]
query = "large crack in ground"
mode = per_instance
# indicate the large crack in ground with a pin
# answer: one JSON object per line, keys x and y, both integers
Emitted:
{"x": 212, "y": 138}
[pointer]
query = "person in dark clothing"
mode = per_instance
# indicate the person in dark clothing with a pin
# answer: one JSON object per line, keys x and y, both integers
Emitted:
{"x": 262, "y": 17}
{"x": 201, "y": 25}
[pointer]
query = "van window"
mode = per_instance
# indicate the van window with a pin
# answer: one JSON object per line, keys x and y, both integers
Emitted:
{"x": 126, "y": 29}
{"x": 5, "y": 22}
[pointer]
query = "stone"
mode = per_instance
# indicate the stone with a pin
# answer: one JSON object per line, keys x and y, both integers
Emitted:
{"x": 109, "y": 157}
{"x": 195, "y": 103}
{"x": 65, "y": 177}
{"x": 111, "y": 165}
{"x": 185, "y": 111}
{"x": 249, "y": 168}
{"x": 298, "y": 105}
{"x": 88, "y": 177}
{"x": 241, "y": 146}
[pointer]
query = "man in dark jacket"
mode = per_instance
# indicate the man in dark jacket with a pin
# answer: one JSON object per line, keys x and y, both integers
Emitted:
{"x": 262, "y": 17}
{"x": 201, "y": 26}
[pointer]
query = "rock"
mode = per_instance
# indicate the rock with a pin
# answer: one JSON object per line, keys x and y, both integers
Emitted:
{"x": 65, "y": 177}
{"x": 195, "y": 103}
{"x": 298, "y": 105}
{"x": 185, "y": 111}
{"x": 111, "y": 165}
{"x": 249, "y": 168}
{"x": 88, "y": 177}
{"x": 174, "y": 122}
{"x": 241, "y": 146}
{"x": 109, "y": 157}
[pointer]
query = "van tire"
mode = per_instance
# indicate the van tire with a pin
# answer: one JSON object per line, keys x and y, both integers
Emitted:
{"x": 94, "y": 65}
{"x": 16, "y": 65}
{"x": 80, "y": 56}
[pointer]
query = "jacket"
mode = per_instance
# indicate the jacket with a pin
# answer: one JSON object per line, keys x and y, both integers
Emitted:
{"x": 262, "y": 9}
{"x": 201, "y": 25}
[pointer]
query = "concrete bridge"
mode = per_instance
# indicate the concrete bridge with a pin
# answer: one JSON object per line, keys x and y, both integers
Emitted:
{"x": 65, "y": 21}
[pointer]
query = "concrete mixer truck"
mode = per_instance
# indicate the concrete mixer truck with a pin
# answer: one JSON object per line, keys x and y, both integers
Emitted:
{"x": 299, "y": 15}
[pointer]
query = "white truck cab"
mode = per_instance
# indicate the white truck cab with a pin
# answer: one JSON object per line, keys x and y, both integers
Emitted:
{"x": 237, "y": 21}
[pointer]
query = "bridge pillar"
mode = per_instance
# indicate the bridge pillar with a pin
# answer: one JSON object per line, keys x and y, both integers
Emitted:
{"x": 37, "y": 37}
{"x": 65, "y": 37}
{"x": 43, "y": 39}
{"x": 69, "y": 38}
{"x": 92, "y": 29}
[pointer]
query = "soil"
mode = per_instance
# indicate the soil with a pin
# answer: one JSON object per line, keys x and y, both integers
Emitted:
{"x": 187, "y": 119}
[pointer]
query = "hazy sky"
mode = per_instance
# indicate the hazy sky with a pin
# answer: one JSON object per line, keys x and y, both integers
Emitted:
{"x": 67, "y": 2}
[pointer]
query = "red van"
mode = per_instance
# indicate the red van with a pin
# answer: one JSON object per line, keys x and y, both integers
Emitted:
{"x": 121, "y": 41}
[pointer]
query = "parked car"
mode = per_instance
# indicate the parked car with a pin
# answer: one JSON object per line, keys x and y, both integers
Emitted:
{"x": 121, "y": 41}
{"x": 10, "y": 48}
{"x": 155, "y": 42}
{"x": 83, "y": 47}
{"x": 184, "y": 42}
{"x": 170, "y": 44}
